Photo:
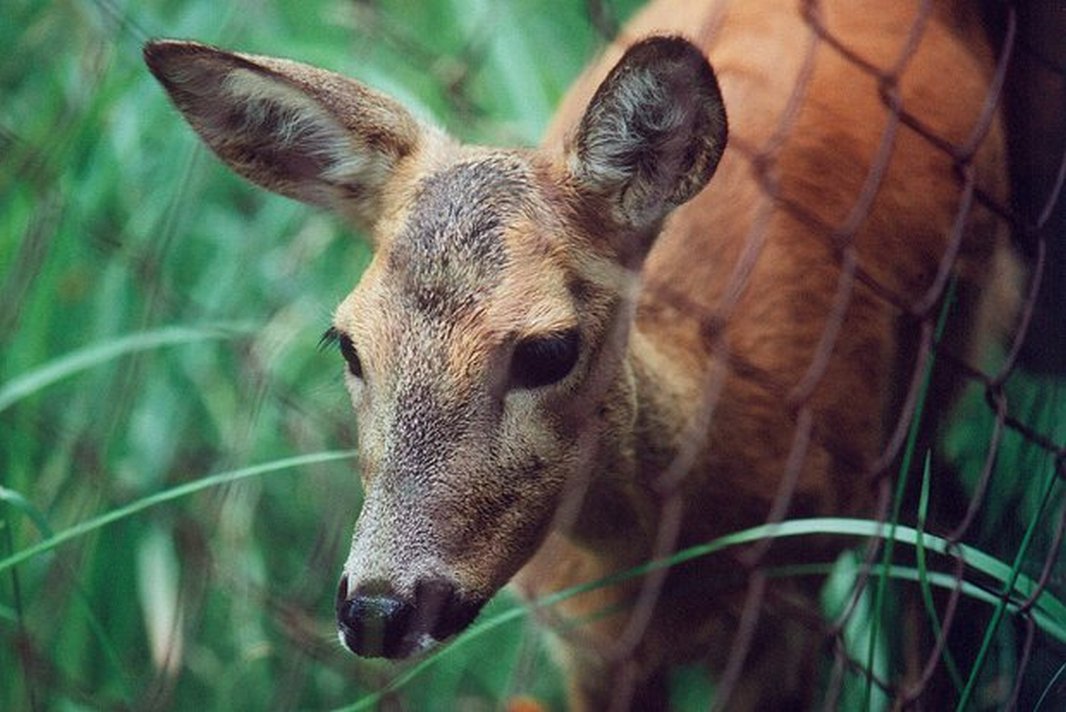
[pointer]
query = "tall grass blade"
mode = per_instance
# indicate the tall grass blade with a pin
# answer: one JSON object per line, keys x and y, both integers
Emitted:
{"x": 90, "y": 356}
{"x": 1048, "y": 612}
{"x": 183, "y": 490}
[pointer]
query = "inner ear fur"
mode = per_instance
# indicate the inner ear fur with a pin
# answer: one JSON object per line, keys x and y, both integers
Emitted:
{"x": 304, "y": 132}
{"x": 653, "y": 133}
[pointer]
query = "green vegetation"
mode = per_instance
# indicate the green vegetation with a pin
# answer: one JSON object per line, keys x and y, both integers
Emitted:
{"x": 177, "y": 488}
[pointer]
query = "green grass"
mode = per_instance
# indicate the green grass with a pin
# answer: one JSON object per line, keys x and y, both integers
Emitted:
{"x": 177, "y": 490}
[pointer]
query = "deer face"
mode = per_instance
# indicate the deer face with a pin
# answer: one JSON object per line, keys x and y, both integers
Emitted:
{"x": 485, "y": 345}
{"x": 478, "y": 345}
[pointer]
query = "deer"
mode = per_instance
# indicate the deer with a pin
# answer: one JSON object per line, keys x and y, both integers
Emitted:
{"x": 570, "y": 359}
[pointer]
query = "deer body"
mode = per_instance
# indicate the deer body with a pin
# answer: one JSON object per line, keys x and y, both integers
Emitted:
{"x": 568, "y": 360}
{"x": 738, "y": 292}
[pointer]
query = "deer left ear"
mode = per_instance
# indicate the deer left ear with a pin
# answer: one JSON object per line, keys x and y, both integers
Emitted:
{"x": 304, "y": 132}
{"x": 653, "y": 133}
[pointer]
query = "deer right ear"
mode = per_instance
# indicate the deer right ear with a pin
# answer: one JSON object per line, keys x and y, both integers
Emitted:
{"x": 652, "y": 135}
{"x": 304, "y": 132}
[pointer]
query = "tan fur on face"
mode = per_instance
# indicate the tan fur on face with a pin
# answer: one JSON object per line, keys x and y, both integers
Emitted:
{"x": 521, "y": 286}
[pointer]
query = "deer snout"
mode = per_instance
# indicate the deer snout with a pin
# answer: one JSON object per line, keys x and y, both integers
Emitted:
{"x": 375, "y": 621}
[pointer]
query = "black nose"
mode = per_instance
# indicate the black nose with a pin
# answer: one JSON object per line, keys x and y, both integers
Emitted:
{"x": 377, "y": 622}
{"x": 375, "y": 625}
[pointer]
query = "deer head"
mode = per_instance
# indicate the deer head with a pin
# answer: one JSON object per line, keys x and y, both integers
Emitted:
{"x": 486, "y": 343}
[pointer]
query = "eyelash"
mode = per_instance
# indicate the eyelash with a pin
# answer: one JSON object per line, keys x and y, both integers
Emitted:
{"x": 330, "y": 338}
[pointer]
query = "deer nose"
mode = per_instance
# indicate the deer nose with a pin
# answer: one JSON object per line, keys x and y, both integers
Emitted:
{"x": 374, "y": 624}
{"x": 377, "y": 622}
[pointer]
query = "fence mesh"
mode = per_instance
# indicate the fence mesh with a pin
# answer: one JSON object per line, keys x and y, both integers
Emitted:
{"x": 992, "y": 653}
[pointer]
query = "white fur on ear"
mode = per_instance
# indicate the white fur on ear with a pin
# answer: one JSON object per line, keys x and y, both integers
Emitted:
{"x": 653, "y": 133}
{"x": 317, "y": 148}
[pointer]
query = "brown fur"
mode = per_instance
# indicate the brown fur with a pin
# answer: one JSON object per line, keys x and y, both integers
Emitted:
{"x": 708, "y": 344}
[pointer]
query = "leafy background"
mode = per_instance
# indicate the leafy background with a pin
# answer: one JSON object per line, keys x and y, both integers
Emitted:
{"x": 158, "y": 322}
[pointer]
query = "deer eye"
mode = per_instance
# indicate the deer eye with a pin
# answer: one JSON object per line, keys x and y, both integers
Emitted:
{"x": 544, "y": 360}
{"x": 346, "y": 347}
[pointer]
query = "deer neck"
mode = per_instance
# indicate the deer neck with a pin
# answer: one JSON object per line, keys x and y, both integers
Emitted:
{"x": 627, "y": 482}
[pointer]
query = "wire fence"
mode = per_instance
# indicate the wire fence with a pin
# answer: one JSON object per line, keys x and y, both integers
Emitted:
{"x": 979, "y": 522}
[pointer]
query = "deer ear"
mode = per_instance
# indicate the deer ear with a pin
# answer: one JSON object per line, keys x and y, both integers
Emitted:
{"x": 303, "y": 132}
{"x": 653, "y": 133}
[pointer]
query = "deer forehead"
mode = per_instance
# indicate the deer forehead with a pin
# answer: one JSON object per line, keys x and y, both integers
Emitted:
{"x": 450, "y": 246}
{"x": 477, "y": 255}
